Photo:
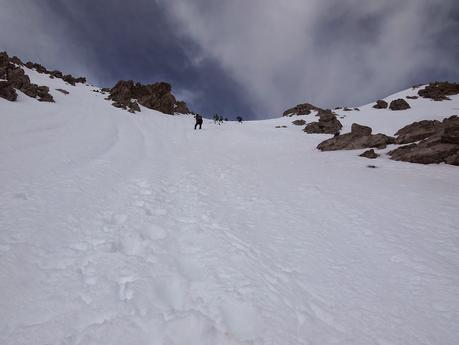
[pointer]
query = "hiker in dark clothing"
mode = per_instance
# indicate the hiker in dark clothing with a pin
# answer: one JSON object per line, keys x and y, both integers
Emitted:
{"x": 198, "y": 121}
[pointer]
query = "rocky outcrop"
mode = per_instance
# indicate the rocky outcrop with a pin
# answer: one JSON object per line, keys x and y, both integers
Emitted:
{"x": 370, "y": 154}
{"x": 360, "y": 137}
{"x": 399, "y": 104}
{"x": 299, "y": 122}
{"x": 327, "y": 124}
{"x": 16, "y": 79}
{"x": 412, "y": 97}
{"x": 439, "y": 91}
{"x": 440, "y": 147}
{"x": 68, "y": 78}
{"x": 7, "y": 91}
{"x": 158, "y": 96}
{"x": 381, "y": 104}
{"x": 301, "y": 109}
{"x": 417, "y": 131}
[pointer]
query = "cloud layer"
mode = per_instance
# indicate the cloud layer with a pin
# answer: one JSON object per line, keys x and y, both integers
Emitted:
{"x": 252, "y": 58}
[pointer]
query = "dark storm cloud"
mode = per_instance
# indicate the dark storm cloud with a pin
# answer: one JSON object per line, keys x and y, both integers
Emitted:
{"x": 243, "y": 57}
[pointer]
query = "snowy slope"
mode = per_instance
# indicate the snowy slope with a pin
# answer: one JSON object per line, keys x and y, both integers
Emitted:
{"x": 135, "y": 229}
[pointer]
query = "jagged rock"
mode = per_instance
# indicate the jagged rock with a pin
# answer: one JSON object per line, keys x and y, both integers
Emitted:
{"x": 380, "y": 104}
{"x": 281, "y": 126}
{"x": 360, "y": 130}
{"x": 156, "y": 96}
{"x": 412, "y": 97}
{"x": 359, "y": 138}
{"x": 417, "y": 131}
{"x": 371, "y": 154}
{"x": 7, "y": 92}
{"x": 299, "y": 122}
{"x": 356, "y": 109}
{"x": 181, "y": 108}
{"x": 399, "y": 104}
{"x": 301, "y": 109}
{"x": 439, "y": 91}
{"x": 347, "y": 109}
{"x": 440, "y": 147}
{"x": 17, "y": 79}
{"x": 450, "y": 133}
{"x": 327, "y": 124}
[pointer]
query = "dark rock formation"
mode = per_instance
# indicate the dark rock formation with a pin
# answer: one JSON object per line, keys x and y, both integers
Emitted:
{"x": 156, "y": 96}
{"x": 439, "y": 91}
{"x": 412, "y": 97}
{"x": 55, "y": 74}
{"x": 381, "y": 104}
{"x": 347, "y": 109}
{"x": 299, "y": 122}
{"x": 360, "y": 130}
{"x": 17, "y": 79}
{"x": 399, "y": 104}
{"x": 301, "y": 109}
{"x": 65, "y": 92}
{"x": 371, "y": 154}
{"x": 7, "y": 92}
{"x": 440, "y": 147}
{"x": 327, "y": 124}
{"x": 417, "y": 131}
{"x": 359, "y": 138}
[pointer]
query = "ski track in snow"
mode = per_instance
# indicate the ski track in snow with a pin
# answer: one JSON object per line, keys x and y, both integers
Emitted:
{"x": 121, "y": 229}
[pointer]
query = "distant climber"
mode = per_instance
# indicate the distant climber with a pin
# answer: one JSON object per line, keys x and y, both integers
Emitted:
{"x": 198, "y": 121}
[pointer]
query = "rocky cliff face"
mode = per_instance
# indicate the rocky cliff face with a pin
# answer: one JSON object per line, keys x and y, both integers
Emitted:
{"x": 158, "y": 96}
{"x": 13, "y": 77}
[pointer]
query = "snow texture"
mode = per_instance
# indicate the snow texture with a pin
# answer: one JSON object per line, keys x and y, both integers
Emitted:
{"x": 136, "y": 229}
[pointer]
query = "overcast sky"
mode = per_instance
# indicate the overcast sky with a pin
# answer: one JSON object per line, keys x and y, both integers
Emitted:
{"x": 253, "y": 58}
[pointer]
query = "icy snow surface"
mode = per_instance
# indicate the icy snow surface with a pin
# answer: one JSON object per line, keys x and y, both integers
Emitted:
{"x": 136, "y": 229}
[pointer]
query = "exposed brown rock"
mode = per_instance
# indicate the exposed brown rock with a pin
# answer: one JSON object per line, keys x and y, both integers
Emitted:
{"x": 381, "y": 104}
{"x": 441, "y": 147}
{"x": 359, "y": 138}
{"x": 399, "y": 104}
{"x": 371, "y": 154}
{"x": 327, "y": 124}
{"x": 299, "y": 122}
{"x": 360, "y": 130}
{"x": 301, "y": 109}
{"x": 439, "y": 91}
{"x": 7, "y": 92}
{"x": 17, "y": 79}
{"x": 156, "y": 96}
{"x": 417, "y": 131}
{"x": 65, "y": 92}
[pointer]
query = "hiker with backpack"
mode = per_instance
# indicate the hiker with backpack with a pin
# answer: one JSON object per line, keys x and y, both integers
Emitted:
{"x": 198, "y": 121}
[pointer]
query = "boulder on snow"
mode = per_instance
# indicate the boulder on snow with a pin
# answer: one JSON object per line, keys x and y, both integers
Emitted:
{"x": 380, "y": 104}
{"x": 412, "y": 97}
{"x": 17, "y": 79}
{"x": 440, "y": 147}
{"x": 359, "y": 138}
{"x": 417, "y": 131}
{"x": 301, "y": 109}
{"x": 360, "y": 130}
{"x": 299, "y": 122}
{"x": 371, "y": 154}
{"x": 399, "y": 104}
{"x": 327, "y": 124}
{"x": 156, "y": 96}
{"x": 439, "y": 91}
